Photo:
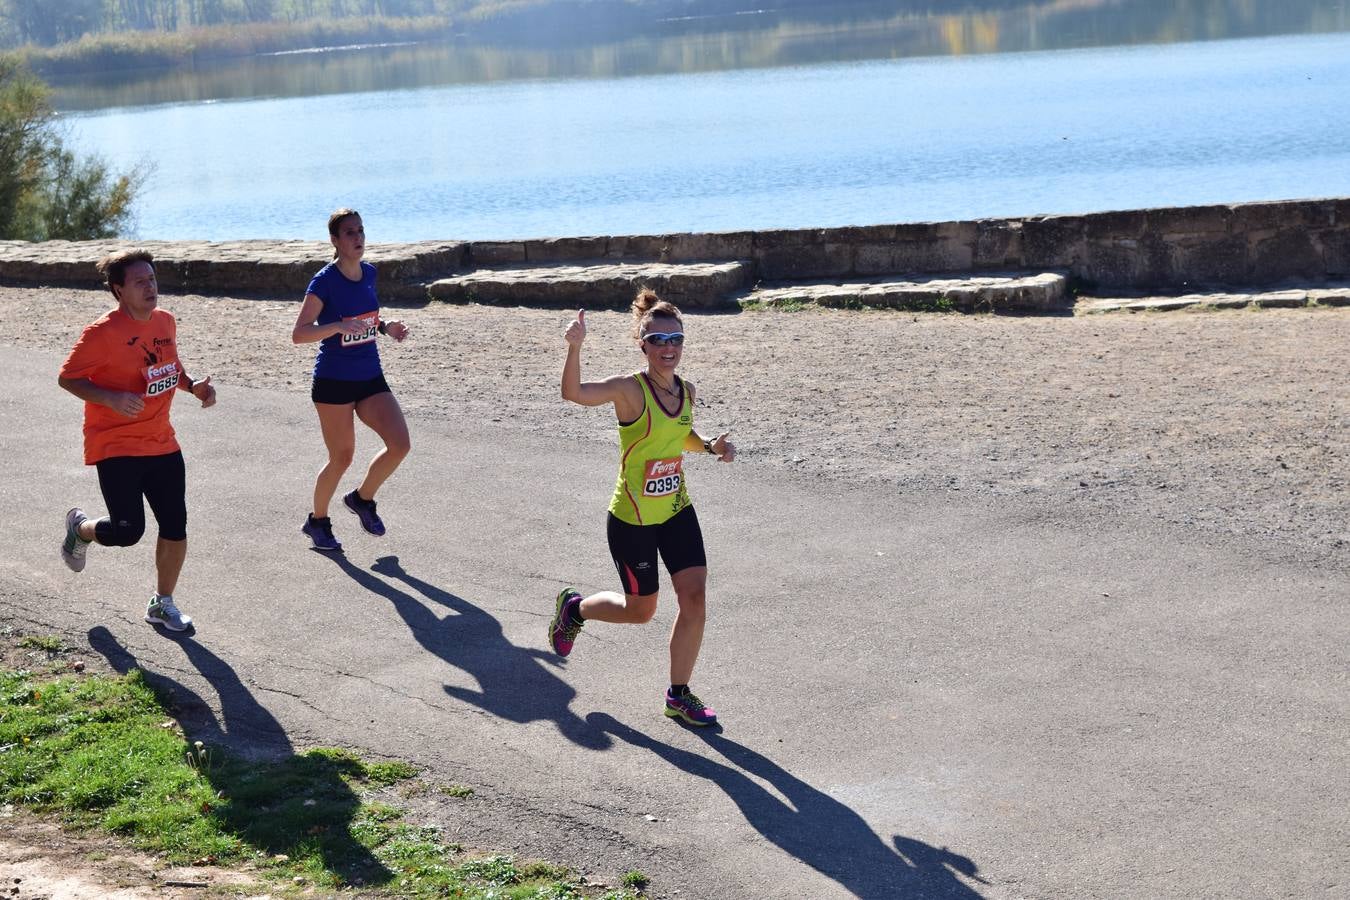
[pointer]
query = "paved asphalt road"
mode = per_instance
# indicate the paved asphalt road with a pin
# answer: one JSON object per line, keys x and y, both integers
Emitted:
{"x": 923, "y": 696}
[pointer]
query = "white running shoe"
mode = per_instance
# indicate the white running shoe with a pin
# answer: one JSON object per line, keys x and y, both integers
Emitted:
{"x": 162, "y": 611}
{"x": 74, "y": 546}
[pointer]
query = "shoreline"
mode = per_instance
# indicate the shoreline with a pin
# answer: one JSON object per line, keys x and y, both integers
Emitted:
{"x": 1165, "y": 250}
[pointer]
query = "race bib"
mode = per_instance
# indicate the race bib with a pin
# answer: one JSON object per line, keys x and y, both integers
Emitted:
{"x": 161, "y": 379}
{"x": 663, "y": 477}
{"x": 372, "y": 323}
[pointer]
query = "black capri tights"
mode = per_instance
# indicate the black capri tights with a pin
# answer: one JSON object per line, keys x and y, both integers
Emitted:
{"x": 161, "y": 480}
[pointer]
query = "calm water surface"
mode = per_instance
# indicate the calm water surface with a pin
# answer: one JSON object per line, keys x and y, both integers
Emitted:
{"x": 815, "y": 144}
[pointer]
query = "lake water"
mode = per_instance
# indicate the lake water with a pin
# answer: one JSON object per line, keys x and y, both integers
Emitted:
{"x": 490, "y": 143}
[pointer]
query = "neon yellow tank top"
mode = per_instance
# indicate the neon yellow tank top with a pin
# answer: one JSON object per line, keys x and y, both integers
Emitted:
{"x": 651, "y": 485}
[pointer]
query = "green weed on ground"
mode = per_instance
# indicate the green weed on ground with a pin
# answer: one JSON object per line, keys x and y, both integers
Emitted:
{"x": 49, "y": 643}
{"x": 99, "y": 753}
{"x": 941, "y": 304}
{"x": 791, "y": 304}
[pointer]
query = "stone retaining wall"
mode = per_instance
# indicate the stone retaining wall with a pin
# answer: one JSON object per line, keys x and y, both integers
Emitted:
{"x": 1165, "y": 249}
{"x": 261, "y": 268}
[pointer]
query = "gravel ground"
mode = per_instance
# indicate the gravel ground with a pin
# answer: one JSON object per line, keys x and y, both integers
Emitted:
{"x": 1229, "y": 422}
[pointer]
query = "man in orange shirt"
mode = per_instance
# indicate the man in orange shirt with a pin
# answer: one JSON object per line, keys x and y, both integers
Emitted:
{"x": 125, "y": 368}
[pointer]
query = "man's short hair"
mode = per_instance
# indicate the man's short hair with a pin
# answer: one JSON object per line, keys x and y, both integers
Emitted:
{"x": 113, "y": 267}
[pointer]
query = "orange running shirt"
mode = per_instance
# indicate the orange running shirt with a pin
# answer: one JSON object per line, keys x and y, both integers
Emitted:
{"x": 118, "y": 353}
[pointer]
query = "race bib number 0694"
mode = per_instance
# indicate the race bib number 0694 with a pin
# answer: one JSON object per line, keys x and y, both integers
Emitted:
{"x": 372, "y": 323}
{"x": 663, "y": 477}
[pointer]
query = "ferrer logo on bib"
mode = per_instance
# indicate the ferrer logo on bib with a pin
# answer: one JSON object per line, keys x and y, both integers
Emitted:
{"x": 161, "y": 379}
{"x": 663, "y": 477}
{"x": 372, "y": 323}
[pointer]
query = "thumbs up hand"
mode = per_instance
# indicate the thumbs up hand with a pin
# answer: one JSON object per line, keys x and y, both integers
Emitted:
{"x": 203, "y": 391}
{"x": 576, "y": 332}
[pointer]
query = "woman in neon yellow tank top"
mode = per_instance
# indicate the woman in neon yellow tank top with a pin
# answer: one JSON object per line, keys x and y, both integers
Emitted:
{"x": 650, "y": 512}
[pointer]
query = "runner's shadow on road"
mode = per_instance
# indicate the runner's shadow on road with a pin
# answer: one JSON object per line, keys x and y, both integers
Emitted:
{"x": 516, "y": 683}
{"x": 813, "y": 826}
{"x": 243, "y": 725}
{"x": 262, "y": 773}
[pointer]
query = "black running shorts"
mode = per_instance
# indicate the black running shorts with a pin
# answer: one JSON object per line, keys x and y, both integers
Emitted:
{"x": 125, "y": 480}
{"x": 679, "y": 540}
{"x": 335, "y": 390}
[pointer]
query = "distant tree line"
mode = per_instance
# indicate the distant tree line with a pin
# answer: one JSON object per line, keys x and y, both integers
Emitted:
{"x": 47, "y": 23}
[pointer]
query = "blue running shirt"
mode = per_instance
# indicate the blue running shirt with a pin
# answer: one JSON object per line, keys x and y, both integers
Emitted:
{"x": 347, "y": 357}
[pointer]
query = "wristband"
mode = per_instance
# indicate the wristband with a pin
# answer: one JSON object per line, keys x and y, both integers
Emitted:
{"x": 707, "y": 445}
{"x": 191, "y": 383}
{"x": 383, "y": 328}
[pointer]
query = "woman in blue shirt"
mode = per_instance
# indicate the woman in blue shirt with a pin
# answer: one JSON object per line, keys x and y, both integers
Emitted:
{"x": 342, "y": 313}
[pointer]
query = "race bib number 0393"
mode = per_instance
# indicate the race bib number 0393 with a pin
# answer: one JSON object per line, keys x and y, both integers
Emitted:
{"x": 372, "y": 323}
{"x": 161, "y": 379}
{"x": 663, "y": 477}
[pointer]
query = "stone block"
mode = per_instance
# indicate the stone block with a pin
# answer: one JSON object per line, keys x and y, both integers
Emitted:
{"x": 436, "y": 257}
{"x": 859, "y": 234}
{"x": 1053, "y": 241}
{"x": 918, "y": 232}
{"x": 1189, "y": 220}
{"x": 1159, "y": 262}
{"x": 562, "y": 249}
{"x": 1336, "y": 250}
{"x": 998, "y": 243}
{"x": 909, "y": 256}
{"x": 1282, "y": 300}
{"x": 1290, "y": 253}
{"x": 494, "y": 253}
{"x": 774, "y": 243}
{"x": 805, "y": 261}
{"x": 711, "y": 246}
{"x": 1226, "y": 301}
{"x": 638, "y": 246}
{"x": 1222, "y": 261}
{"x": 1162, "y": 304}
{"x": 222, "y": 275}
{"x": 1115, "y": 226}
{"x": 1330, "y": 296}
{"x": 70, "y": 271}
{"x": 1257, "y": 219}
{"x": 1113, "y": 263}
{"x": 449, "y": 290}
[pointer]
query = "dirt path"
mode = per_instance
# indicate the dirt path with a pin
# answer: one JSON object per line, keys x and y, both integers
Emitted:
{"x": 1233, "y": 422}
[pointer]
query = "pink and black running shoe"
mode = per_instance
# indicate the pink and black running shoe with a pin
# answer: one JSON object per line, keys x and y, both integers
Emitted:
{"x": 688, "y": 708}
{"x": 562, "y": 631}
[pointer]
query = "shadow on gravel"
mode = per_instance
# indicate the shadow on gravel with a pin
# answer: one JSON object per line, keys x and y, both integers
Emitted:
{"x": 516, "y": 683}
{"x": 813, "y": 826}
{"x": 276, "y": 778}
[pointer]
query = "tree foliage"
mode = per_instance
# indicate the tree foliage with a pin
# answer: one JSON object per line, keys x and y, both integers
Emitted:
{"x": 49, "y": 22}
{"x": 47, "y": 191}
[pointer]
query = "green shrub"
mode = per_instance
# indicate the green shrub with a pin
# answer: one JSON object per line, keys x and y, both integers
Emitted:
{"x": 46, "y": 191}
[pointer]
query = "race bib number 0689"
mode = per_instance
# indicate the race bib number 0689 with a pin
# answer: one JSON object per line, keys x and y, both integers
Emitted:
{"x": 161, "y": 379}
{"x": 663, "y": 477}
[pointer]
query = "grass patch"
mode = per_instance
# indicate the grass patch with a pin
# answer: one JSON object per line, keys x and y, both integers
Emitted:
{"x": 49, "y": 643}
{"x": 789, "y": 305}
{"x": 99, "y": 753}
{"x": 456, "y": 790}
{"x": 634, "y": 880}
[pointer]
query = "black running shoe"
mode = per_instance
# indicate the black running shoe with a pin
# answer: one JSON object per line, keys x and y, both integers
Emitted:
{"x": 365, "y": 511}
{"x": 320, "y": 531}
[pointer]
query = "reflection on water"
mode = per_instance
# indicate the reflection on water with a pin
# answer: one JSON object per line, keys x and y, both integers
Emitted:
{"x": 683, "y": 46}
{"x": 848, "y": 143}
